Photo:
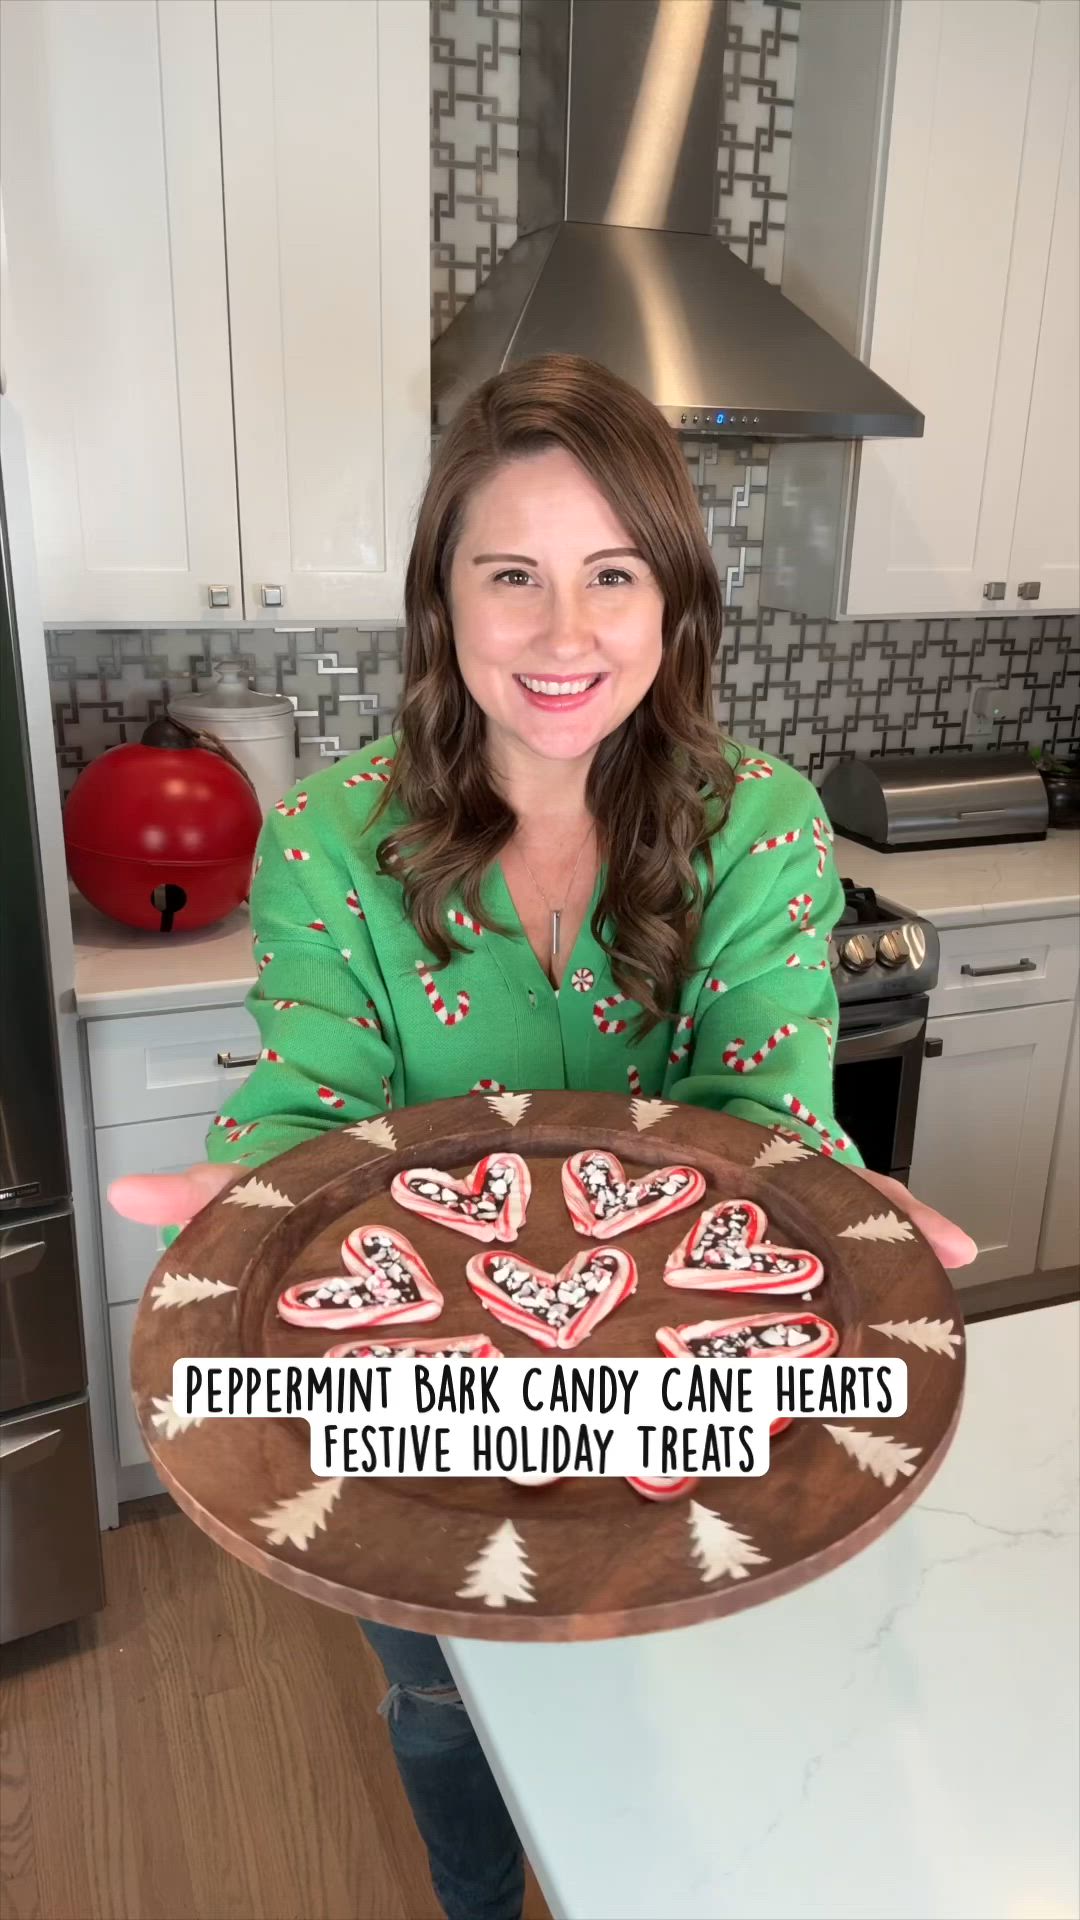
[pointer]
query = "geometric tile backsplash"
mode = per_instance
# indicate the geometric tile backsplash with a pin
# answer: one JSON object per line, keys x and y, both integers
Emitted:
{"x": 812, "y": 691}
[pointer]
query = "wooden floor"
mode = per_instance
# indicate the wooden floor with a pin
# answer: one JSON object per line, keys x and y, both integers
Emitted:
{"x": 206, "y": 1748}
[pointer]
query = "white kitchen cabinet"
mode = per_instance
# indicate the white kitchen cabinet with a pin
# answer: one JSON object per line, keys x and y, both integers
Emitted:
{"x": 115, "y": 317}
{"x": 216, "y": 302}
{"x": 932, "y": 227}
{"x": 1047, "y": 530}
{"x": 136, "y": 1477}
{"x": 324, "y": 120}
{"x": 132, "y": 1250}
{"x": 156, "y": 1066}
{"x": 988, "y": 1110}
{"x": 1059, "y": 1243}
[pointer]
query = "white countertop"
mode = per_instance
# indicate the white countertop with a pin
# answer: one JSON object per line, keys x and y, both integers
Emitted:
{"x": 966, "y": 886}
{"x": 896, "y": 1741}
{"x": 120, "y": 971}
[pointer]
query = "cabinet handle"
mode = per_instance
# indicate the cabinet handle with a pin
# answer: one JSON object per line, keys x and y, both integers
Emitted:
{"x": 237, "y": 1060}
{"x": 219, "y": 596}
{"x": 935, "y": 1047}
{"x": 985, "y": 973}
{"x": 27, "y": 1252}
{"x": 994, "y": 590}
{"x": 21, "y": 1450}
{"x": 1028, "y": 589}
{"x": 272, "y": 597}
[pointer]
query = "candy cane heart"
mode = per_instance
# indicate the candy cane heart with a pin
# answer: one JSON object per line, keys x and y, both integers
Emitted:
{"x": 737, "y": 1062}
{"x": 438, "y": 1005}
{"x": 800, "y": 907}
{"x": 369, "y": 1021}
{"x": 290, "y": 813}
{"x": 753, "y": 769}
{"x": 727, "y": 1251}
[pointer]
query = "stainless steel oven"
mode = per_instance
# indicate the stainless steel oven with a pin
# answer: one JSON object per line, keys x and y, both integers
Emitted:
{"x": 879, "y": 1056}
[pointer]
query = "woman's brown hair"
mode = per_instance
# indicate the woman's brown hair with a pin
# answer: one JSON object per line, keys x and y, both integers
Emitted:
{"x": 660, "y": 784}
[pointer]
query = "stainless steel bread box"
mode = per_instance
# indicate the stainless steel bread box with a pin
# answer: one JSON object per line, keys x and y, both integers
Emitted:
{"x": 901, "y": 801}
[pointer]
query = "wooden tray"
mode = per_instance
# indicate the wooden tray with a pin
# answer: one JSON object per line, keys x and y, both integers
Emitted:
{"x": 587, "y": 1559}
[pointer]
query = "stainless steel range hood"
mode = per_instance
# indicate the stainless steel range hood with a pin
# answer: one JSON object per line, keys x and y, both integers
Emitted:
{"x": 620, "y": 105}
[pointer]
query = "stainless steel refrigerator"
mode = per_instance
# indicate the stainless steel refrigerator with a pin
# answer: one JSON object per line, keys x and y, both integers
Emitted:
{"x": 50, "y": 1546}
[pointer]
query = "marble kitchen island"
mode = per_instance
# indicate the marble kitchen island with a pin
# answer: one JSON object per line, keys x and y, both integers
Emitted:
{"x": 898, "y": 1739}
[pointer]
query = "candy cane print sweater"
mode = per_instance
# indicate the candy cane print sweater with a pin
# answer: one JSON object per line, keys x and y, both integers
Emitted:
{"x": 354, "y": 1023}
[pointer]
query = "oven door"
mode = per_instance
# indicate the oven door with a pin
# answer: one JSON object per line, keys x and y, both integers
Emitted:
{"x": 879, "y": 1055}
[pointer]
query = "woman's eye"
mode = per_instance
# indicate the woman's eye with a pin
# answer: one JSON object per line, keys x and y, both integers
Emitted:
{"x": 613, "y": 577}
{"x": 514, "y": 577}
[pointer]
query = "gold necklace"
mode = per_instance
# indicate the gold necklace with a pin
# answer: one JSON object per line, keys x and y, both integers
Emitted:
{"x": 556, "y": 913}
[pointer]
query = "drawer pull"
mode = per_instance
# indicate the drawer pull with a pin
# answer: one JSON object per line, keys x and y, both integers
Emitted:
{"x": 228, "y": 1060}
{"x": 26, "y": 1450}
{"x": 27, "y": 1252}
{"x": 985, "y": 973}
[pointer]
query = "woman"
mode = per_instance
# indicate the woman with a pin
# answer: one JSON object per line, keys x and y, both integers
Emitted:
{"x": 555, "y": 873}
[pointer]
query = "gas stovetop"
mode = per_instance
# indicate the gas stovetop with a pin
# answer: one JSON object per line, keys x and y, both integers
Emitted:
{"x": 879, "y": 951}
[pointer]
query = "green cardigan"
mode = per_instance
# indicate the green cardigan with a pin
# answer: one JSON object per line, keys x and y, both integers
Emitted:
{"x": 353, "y": 1023}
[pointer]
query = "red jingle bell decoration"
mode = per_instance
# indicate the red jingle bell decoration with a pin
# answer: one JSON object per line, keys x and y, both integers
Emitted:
{"x": 162, "y": 835}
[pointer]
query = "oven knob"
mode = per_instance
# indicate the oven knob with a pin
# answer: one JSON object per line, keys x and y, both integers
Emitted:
{"x": 916, "y": 943}
{"x": 857, "y": 953}
{"x": 892, "y": 949}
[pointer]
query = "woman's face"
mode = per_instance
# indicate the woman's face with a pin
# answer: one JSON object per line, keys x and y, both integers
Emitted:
{"x": 557, "y": 616}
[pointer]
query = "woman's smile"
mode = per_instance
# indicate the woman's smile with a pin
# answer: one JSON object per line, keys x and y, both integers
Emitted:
{"x": 552, "y": 693}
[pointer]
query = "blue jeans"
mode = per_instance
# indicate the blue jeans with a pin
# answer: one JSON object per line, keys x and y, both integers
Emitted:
{"x": 477, "y": 1866}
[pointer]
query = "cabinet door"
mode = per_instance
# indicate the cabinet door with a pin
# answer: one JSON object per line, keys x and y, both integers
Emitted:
{"x": 974, "y": 144}
{"x": 130, "y": 1451}
{"x": 1059, "y": 1245}
{"x": 324, "y": 120}
{"x": 116, "y": 339}
{"x": 1046, "y": 539}
{"x": 132, "y": 1249}
{"x": 988, "y": 1108}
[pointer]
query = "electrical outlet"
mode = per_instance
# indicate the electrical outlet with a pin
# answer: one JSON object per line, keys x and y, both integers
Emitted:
{"x": 983, "y": 710}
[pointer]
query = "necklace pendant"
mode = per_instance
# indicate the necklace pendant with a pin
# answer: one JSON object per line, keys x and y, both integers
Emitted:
{"x": 556, "y": 918}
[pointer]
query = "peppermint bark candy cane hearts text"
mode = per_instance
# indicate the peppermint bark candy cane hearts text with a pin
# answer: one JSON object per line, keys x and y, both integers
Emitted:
{"x": 603, "y": 1202}
{"x": 490, "y": 1203}
{"x": 758, "y": 1336}
{"x": 386, "y": 1281}
{"x": 557, "y": 1310}
{"x": 726, "y": 1251}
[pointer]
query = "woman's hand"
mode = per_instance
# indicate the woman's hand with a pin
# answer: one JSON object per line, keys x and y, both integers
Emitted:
{"x": 168, "y": 1199}
{"x": 954, "y": 1247}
